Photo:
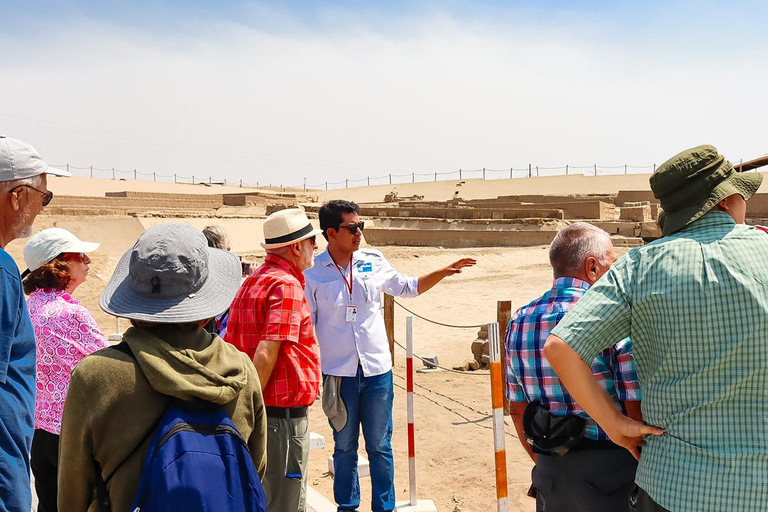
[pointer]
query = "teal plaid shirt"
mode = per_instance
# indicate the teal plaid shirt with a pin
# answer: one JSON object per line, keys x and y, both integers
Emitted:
{"x": 695, "y": 304}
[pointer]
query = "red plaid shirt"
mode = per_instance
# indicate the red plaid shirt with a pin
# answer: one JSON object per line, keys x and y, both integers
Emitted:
{"x": 270, "y": 306}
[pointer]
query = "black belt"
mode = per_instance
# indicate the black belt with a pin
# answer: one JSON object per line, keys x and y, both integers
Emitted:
{"x": 287, "y": 412}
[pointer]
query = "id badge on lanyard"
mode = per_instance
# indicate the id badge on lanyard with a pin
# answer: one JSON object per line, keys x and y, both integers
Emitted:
{"x": 351, "y": 310}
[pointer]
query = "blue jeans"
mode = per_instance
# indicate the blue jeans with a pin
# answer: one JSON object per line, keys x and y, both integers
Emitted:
{"x": 369, "y": 403}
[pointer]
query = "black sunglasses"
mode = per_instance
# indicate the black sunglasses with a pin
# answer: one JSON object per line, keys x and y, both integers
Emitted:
{"x": 352, "y": 227}
{"x": 47, "y": 196}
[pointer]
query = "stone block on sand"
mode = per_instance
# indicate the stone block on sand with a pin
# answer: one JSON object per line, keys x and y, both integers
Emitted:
{"x": 316, "y": 441}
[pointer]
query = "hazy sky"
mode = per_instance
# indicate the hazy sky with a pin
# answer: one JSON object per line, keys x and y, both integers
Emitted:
{"x": 279, "y": 92}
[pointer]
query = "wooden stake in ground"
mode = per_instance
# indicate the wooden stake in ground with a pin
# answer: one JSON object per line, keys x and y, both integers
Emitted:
{"x": 497, "y": 402}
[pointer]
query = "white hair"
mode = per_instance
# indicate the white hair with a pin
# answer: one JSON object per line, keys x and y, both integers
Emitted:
{"x": 34, "y": 181}
{"x": 572, "y": 245}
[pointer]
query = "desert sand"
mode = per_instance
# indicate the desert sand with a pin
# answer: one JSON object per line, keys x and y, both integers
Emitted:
{"x": 454, "y": 443}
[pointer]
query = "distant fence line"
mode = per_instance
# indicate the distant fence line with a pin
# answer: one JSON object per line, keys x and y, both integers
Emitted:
{"x": 391, "y": 179}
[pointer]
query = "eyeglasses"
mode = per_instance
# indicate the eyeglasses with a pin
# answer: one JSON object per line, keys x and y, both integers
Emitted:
{"x": 47, "y": 196}
{"x": 313, "y": 239}
{"x": 72, "y": 256}
{"x": 353, "y": 227}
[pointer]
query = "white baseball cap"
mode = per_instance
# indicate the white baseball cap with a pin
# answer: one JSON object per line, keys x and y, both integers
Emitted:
{"x": 19, "y": 160}
{"x": 49, "y": 243}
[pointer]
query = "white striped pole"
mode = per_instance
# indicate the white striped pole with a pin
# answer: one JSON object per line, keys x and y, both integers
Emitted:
{"x": 497, "y": 401}
{"x": 409, "y": 389}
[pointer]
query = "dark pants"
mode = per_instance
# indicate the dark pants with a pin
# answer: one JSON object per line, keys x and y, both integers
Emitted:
{"x": 585, "y": 480}
{"x": 45, "y": 466}
{"x": 640, "y": 501}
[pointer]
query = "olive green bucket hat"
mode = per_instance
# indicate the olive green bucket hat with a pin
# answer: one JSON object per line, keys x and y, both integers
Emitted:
{"x": 691, "y": 183}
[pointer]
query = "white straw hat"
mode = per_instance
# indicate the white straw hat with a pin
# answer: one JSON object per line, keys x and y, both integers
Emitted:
{"x": 49, "y": 243}
{"x": 286, "y": 227}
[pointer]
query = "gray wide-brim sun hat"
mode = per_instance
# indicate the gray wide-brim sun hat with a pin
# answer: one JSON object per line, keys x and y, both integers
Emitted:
{"x": 694, "y": 181}
{"x": 170, "y": 275}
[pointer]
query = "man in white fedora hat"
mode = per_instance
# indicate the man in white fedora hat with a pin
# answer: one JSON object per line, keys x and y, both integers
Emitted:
{"x": 23, "y": 194}
{"x": 270, "y": 321}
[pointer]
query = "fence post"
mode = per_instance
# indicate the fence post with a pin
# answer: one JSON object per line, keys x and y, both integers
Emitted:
{"x": 135, "y": 175}
{"x": 566, "y": 169}
{"x": 483, "y": 173}
{"x": 346, "y": 183}
{"x": 225, "y": 182}
{"x": 390, "y": 181}
{"x": 435, "y": 176}
{"x": 497, "y": 400}
{"x": 369, "y": 181}
{"x": 530, "y": 174}
{"x": 174, "y": 177}
{"x": 537, "y": 171}
{"x": 389, "y": 323}
{"x": 326, "y": 185}
{"x": 413, "y": 177}
{"x": 113, "y": 173}
{"x": 459, "y": 174}
{"x": 67, "y": 167}
{"x": 91, "y": 171}
{"x": 654, "y": 167}
{"x": 595, "y": 169}
{"x": 409, "y": 412}
{"x": 625, "y": 168}
{"x": 210, "y": 180}
{"x": 241, "y": 184}
{"x": 193, "y": 179}
{"x": 154, "y": 176}
{"x": 510, "y": 173}
{"x": 503, "y": 316}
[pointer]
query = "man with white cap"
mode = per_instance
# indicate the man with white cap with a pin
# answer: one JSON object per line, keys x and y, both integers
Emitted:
{"x": 270, "y": 321}
{"x": 23, "y": 194}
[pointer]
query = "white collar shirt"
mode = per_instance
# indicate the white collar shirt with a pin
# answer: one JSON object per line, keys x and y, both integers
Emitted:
{"x": 345, "y": 345}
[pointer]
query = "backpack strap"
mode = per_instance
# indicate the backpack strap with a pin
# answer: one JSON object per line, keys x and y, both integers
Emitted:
{"x": 102, "y": 496}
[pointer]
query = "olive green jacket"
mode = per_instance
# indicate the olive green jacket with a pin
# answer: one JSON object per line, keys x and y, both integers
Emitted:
{"x": 115, "y": 402}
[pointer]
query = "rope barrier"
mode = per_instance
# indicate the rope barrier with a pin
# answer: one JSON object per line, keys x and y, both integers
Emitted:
{"x": 440, "y": 323}
{"x": 430, "y": 364}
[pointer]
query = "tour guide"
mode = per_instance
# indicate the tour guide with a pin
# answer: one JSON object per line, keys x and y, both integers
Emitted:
{"x": 343, "y": 289}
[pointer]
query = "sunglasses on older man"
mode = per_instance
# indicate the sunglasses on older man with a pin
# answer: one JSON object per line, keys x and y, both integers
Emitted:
{"x": 352, "y": 227}
{"x": 47, "y": 196}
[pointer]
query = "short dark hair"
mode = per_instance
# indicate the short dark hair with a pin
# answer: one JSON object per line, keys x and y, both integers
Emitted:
{"x": 52, "y": 275}
{"x": 330, "y": 213}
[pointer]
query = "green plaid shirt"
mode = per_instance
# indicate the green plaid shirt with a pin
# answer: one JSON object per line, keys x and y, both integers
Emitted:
{"x": 695, "y": 304}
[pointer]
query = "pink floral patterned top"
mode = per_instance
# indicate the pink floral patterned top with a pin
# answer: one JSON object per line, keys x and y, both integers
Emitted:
{"x": 65, "y": 333}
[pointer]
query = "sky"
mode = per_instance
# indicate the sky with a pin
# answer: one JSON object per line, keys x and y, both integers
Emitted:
{"x": 311, "y": 92}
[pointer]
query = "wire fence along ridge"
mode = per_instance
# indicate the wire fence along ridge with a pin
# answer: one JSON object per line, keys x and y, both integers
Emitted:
{"x": 390, "y": 179}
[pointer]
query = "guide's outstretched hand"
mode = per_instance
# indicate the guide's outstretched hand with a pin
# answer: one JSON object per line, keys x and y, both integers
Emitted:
{"x": 455, "y": 268}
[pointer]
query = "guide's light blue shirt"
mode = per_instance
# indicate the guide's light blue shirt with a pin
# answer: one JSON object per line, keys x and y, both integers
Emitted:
{"x": 343, "y": 345}
{"x": 17, "y": 389}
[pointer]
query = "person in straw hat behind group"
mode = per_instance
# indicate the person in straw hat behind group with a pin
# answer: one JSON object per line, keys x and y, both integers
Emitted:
{"x": 23, "y": 194}
{"x": 57, "y": 264}
{"x": 695, "y": 303}
{"x": 270, "y": 321}
{"x": 169, "y": 284}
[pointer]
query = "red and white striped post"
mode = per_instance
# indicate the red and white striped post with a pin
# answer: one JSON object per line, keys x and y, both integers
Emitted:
{"x": 497, "y": 401}
{"x": 409, "y": 389}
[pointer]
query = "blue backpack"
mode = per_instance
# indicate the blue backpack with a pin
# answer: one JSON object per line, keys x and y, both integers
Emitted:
{"x": 198, "y": 461}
